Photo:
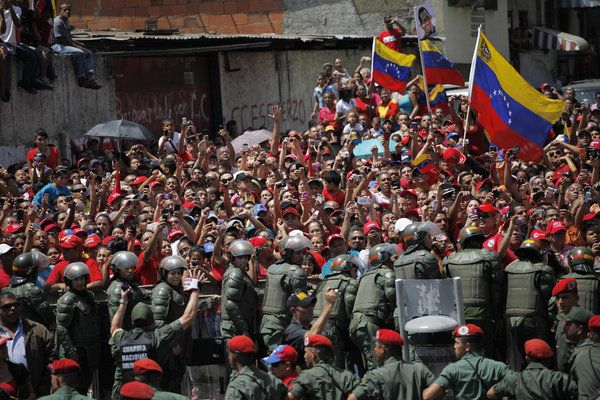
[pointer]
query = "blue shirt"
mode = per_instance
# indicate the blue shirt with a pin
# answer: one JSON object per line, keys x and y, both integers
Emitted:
{"x": 53, "y": 193}
{"x": 16, "y": 346}
{"x": 326, "y": 270}
{"x": 42, "y": 276}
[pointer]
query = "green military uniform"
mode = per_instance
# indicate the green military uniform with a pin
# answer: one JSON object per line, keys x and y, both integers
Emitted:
{"x": 162, "y": 395}
{"x": 394, "y": 380}
{"x": 417, "y": 263}
{"x": 564, "y": 347}
{"x": 586, "y": 370}
{"x": 529, "y": 288}
{"x": 283, "y": 279}
{"x": 588, "y": 289}
{"x": 129, "y": 346}
{"x": 471, "y": 376}
{"x": 373, "y": 309}
{"x": 581, "y": 346}
{"x": 35, "y": 306}
{"x": 113, "y": 298}
{"x": 77, "y": 331}
{"x": 323, "y": 382}
{"x": 250, "y": 383}
{"x": 480, "y": 271}
{"x": 536, "y": 382}
{"x": 336, "y": 327}
{"x": 239, "y": 304}
{"x": 65, "y": 393}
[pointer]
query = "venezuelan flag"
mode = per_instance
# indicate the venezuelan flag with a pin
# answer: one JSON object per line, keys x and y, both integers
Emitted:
{"x": 438, "y": 98}
{"x": 390, "y": 68}
{"x": 424, "y": 164}
{"x": 512, "y": 111}
{"x": 438, "y": 68}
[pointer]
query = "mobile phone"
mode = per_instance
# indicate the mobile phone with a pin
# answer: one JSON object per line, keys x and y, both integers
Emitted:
{"x": 364, "y": 201}
{"x": 414, "y": 126}
{"x": 305, "y": 196}
{"x": 245, "y": 147}
{"x": 165, "y": 214}
{"x": 519, "y": 221}
{"x": 69, "y": 199}
{"x": 319, "y": 199}
{"x": 586, "y": 102}
{"x": 35, "y": 227}
{"x": 184, "y": 121}
{"x": 166, "y": 196}
{"x": 165, "y": 132}
{"x": 177, "y": 207}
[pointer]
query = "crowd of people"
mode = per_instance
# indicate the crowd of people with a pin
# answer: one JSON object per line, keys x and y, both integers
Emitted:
{"x": 327, "y": 232}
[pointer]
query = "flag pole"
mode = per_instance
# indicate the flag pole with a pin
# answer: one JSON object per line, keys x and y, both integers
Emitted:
{"x": 372, "y": 83}
{"x": 425, "y": 80}
{"x": 471, "y": 75}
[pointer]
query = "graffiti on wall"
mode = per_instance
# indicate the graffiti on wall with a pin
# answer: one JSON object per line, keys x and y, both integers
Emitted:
{"x": 293, "y": 111}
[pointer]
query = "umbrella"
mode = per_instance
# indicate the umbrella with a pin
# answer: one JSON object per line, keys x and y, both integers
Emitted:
{"x": 251, "y": 138}
{"x": 363, "y": 149}
{"x": 121, "y": 129}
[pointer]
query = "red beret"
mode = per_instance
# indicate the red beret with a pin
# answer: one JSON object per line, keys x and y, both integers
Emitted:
{"x": 537, "y": 348}
{"x": 136, "y": 390}
{"x": 316, "y": 340}
{"x": 241, "y": 344}
{"x": 146, "y": 365}
{"x": 389, "y": 337}
{"x": 467, "y": 330}
{"x": 63, "y": 366}
{"x": 594, "y": 322}
{"x": 564, "y": 286}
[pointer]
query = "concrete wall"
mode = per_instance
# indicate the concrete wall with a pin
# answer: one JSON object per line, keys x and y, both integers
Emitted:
{"x": 68, "y": 111}
{"x": 284, "y": 77}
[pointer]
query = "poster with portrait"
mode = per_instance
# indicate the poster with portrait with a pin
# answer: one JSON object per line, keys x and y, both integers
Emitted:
{"x": 425, "y": 20}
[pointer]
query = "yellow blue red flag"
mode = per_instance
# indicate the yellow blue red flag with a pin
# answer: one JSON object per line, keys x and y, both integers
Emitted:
{"x": 390, "y": 68}
{"x": 513, "y": 112}
{"x": 438, "y": 68}
{"x": 438, "y": 98}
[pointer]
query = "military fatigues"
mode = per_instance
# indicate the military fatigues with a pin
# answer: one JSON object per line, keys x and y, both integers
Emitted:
{"x": 373, "y": 309}
{"x": 529, "y": 288}
{"x": 239, "y": 304}
{"x": 65, "y": 393}
{"x": 113, "y": 298}
{"x": 588, "y": 289}
{"x": 78, "y": 333}
{"x": 253, "y": 384}
{"x": 394, "y": 380}
{"x": 161, "y": 395}
{"x": 481, "y": 276}
{"x": 283, "y": 279}
{"x": 471, "y": 376}
{"x": 323, "y": 382}
{"x": 35, "y": 306}
{"x": 581, "y": 346}
{"x": 129, "y": 346}
{"x": 336, "y": 327}
{"x": 168, "y": 305}
{"x": 586, "y": 370}
{"x": 564, "y": 347}
{"x": 417, "y": 264}
{"x": 536, "y": 382}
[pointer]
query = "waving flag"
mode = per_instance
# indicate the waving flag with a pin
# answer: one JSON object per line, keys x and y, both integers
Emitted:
{"x": 390, "y": 68}
{"x": 512, "y": 111}
{"x": 438, "y": 68}
{"x": 424, "y": 164}
{"x": 438, "y": 98}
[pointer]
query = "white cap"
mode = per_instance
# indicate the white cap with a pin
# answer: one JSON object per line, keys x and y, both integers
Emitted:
{"x": 401, "y": 224}
{"x": 296, "y": 232}
{"x": 4, "y": 248}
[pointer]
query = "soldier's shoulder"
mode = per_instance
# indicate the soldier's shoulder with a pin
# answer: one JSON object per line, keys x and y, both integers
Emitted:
{"x": 114, "y": 286}
{"x": 160, "y": 395}
{"x": 161, "y": 289}
{"x": 69, "y": 298}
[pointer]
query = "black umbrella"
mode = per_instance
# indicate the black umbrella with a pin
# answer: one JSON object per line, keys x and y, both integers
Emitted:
{"x": 121, "y": 129}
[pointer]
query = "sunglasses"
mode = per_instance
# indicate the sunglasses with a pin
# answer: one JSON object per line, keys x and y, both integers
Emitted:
{"x": 276, "y": 364}
{"x": 77, "y": 190}
{"x": 226, "y": 181}
{"x": 8, "y": 306}
{"x": 554, "y": 154}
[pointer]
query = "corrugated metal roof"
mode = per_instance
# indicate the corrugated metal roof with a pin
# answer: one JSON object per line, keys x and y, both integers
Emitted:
{"x": 579, "y": 3}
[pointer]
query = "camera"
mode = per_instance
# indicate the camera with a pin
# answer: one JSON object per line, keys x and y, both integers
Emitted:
{"x": 513, "y": 152}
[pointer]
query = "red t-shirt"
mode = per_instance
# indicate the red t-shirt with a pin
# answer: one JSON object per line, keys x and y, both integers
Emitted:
{"x": 4, "y": 279}
{"x": 329, "y": 115}
{"x": 493, "y": 243}
{"x": 392, "y": 39}
{"x": 217, "y": 271}
{"x": 51, "y": 160}
{"x": 56, "y": 276}
{"x": 338, "y": 197}
{"x": 147, "y": 273}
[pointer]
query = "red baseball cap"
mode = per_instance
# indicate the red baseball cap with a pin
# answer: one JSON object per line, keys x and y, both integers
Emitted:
{"x": 174, "y": 233}
{"x": 257, "y": 241}
{"x": 334, "y": 236}
{"x": 241, "y": 344}
{"x": 488, "y": 208}
{"x": 555, "y": 226}
{"x": 453, "y": 156}
{"x": 369, "y": 226}
{"x": 13, "y": 228}
{"x": 92, "y": 241}
{"x": 50, "y": 226}
{"x": 316, "y": 340}
{"x": 538, "y": 349}
{"x": 114, "y": 197}
{"x": 71, "y": 242}
{"x": 138, "y": 181}
{"x": 409, "y": 192}
{"x": 539, "y": 234}
{"x": 284, "y": 352}
{"x": 389, "y": 337}
{"x": 290, "y": 210}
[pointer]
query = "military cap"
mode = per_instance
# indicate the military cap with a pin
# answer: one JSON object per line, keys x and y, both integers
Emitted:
{"x": 316, "y": 340}
{"x": 241, "y": 344}
{"x": 301, "y": 299}
{"x": 141, "y": 311}
{"x": 538, "y": 349}
{"x": 146, "y": 365}
{"x": 577, "y": 315}
{"x": 136, "y": 390}
{"x": 564, "y": 286}
{"x": 467, "y": 330}
{"x": 389, "y": 337}
{"x": 63, "y": 366}
{"x": 594, "y": 323}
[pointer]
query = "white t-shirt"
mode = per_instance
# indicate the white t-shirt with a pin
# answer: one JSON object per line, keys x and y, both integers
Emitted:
{"x": 171, "y": 146}
{"x": 10, "y": 36}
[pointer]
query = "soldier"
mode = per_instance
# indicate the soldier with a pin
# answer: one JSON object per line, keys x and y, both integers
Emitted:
{"x": 168, "y": 304}
{"x": 77, "y": 328}
{"x": 375, "y": 301}
{"x": 149, "y": 372}
{"x": 394, "y": 379}
{"x": 566, "y": 297}
{"x": 123, "y": 264}
{"x": 35, "y": 306}
{"x": 282, "y": 364}
{"x": 65, "y": 380}
{"x": 537, "y": 381}
{"x": 529, "y": 287}
{"x": 344, "y": 270}
{"x": 581, "y": 261}
{"x": 417, "y": 262}
{"x": 322, "y": 380}
{"x": 247, "y": 381}
{"x": 239, "y": 298}
{"x": 576, "y": 332}
{"x": 586, "y": 366}
{"x": 480, "y": 271}
{"x": 470, "y": 376}
{"x": 283, "y": 278}
{"x": 145, "y": 340}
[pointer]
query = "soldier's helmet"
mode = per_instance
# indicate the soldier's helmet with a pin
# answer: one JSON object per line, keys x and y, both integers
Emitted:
{"x": 409, "y": 234}
{"x": 341, "y": 263}
{"x": 240, "y": 248}
{"x": 531, "y": 249}
{"x": 581, "y": 259}
{"x": 74, "y": 271}
{"x": 470, "y": 236}
{"x": 381, "y": 253}
{"x": 297, "y": 243}
{"x": 27, "y": 263}
{"x": 122, "y": 260}
{"x": 172, "y": 263}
